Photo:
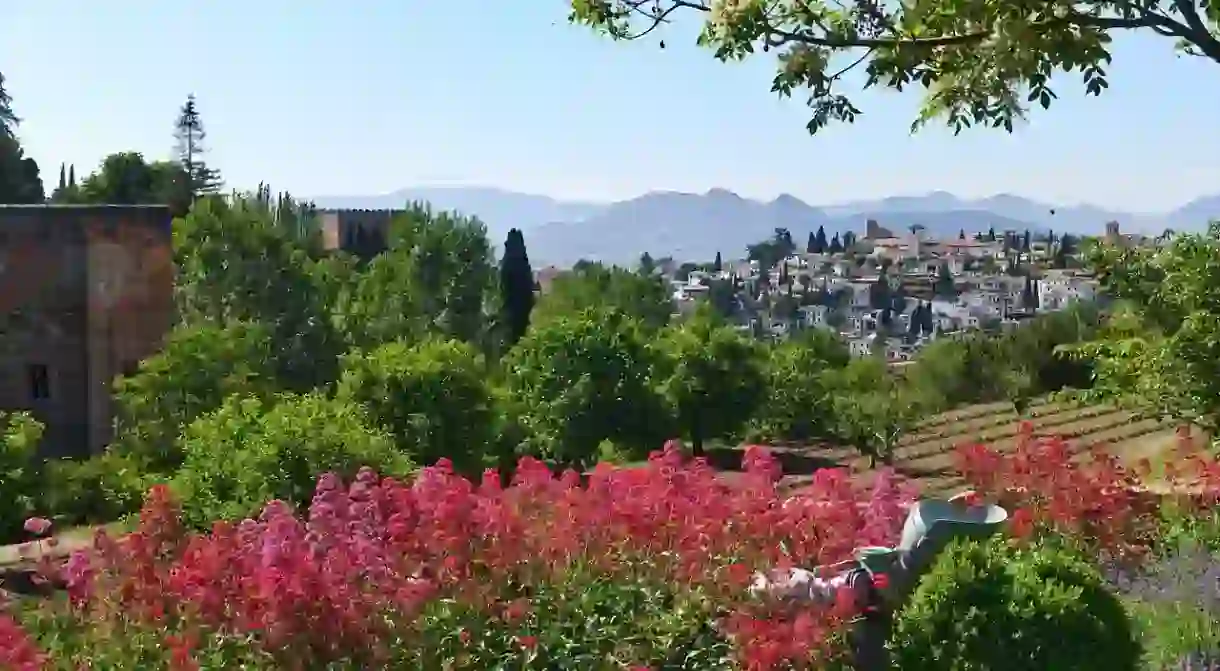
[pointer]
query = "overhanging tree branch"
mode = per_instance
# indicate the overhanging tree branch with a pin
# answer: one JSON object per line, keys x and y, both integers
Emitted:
{"x": 979, "y": 62}
{"x": 819, "y": 34}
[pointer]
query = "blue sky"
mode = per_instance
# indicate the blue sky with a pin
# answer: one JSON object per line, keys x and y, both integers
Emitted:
{"x": 323, "y": 97}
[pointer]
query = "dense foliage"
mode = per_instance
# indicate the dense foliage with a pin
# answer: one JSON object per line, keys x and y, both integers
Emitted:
{"x": 249, "y": 451}
{"x": 20, "y": 481}
{"x": 450, "y": 364}
{"x": 712, "y": 377}
{"x": 583, "y": 379}
{"x": 640, "y": 568}
{"x": 978, "y": 63}
{"x": 988, "y": 605}
{"x": 432, "y": 396}
{"x": 1161, "y": 353}
{"x": 636, "y": 568}
{"x": 20, "y": 181}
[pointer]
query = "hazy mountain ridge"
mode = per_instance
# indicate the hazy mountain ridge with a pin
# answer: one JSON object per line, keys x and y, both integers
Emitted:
{"x": 696, "y": 226}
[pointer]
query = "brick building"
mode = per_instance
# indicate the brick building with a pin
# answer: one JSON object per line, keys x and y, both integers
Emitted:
{"x": 362, "y": 233}
{"x": 86, "y": 292}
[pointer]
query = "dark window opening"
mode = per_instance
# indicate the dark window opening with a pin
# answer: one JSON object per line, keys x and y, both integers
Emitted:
{"x": 40, "y": 382}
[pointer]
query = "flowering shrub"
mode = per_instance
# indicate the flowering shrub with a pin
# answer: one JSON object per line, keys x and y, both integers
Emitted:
{"x": 639, "y": 568}
{"x": 1095, "y": 501}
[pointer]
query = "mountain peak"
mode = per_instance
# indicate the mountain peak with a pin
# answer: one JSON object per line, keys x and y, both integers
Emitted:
{"x": 788, "y": 200}
{"x": 721, "y": 194}
{"x": 694, "y": 226}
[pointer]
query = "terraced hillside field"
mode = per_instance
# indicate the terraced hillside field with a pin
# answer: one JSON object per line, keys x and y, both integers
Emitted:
{"x": 926, "y": 454}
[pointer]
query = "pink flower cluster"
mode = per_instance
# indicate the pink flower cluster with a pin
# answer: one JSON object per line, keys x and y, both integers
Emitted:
{"x": 355, "y": 572}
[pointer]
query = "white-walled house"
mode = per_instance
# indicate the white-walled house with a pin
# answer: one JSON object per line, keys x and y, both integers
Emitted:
{"x": 1056, "y": 292}
{"x": 813, "y": 316}
{"x": 859, "y": 293}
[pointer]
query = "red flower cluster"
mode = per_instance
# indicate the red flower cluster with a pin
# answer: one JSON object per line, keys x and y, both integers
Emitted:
{"x": 17, "y": 651}
{"x": 1087, "y": 494}
{"x": 353, "y": 575}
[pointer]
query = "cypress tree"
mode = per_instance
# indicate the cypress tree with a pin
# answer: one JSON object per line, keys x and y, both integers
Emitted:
{"x": 516, "y": 287}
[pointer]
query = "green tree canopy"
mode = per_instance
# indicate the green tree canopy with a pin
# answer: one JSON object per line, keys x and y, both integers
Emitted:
{"x": 234, "y": 263}
{"x": 801, "y": 387}
{"x": 199, "y": 366}
{"x": 125, "y": 178}
{"x": 8, "y": 119}
{"x": 873, "y": 409}
{"x": 437, "y": 276}
{"x": 20, "y": 182}
{"x": 454, "y": 267}
{"x": 711, "y": 375}
{"x": 982, "y": 62}
{"x": 1160, "y": 352}
{"x": 250, "y": 451}
{"x": 432, "y": 397}
{"x": 771, "y": 251}
{"x": 582, "y": 379}
{"x": 642, "y": 297}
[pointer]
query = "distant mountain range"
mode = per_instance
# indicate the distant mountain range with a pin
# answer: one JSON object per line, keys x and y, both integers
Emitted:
{"x": 690, "y": 226}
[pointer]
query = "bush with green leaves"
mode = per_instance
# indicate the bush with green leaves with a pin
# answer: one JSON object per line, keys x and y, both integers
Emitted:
{"x": 433, "y": 397}
{"x": 995, "y": 605}
{"x": 236, "y": 263}
{"x": 578, "y": 380}
{"x": 711, "y": 376}
{"x": 20, "y": 475}
{"x": 100, "y": 489}
{"x": 800, "y": 389}
{"x": 579, "y": 623}
{"x": 250, "y": 451}
{"x": 199, "y": 366}
{"x": 641, "y": 296}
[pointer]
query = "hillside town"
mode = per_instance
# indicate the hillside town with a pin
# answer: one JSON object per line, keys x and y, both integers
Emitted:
{"x": 886, "y": 293}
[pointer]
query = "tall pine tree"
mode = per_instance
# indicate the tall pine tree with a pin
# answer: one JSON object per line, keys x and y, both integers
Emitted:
{"x": 516, "y": 287}
{"x": 717, "y": 264}
{"x": 8, "y": 119}
{"x": 19, "y": 178}
{"x": 819, "y": 241}
{"x": 189, "y": 136}
{"x": 1029, "y": 296}
{"x": 65, "y": 192}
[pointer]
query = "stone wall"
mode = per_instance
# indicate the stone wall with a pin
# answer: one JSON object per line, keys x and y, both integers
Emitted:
{"x": 85, "y": 293}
